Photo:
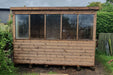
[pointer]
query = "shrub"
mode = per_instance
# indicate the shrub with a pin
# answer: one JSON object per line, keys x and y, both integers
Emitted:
{"x": 104, "y": 22}
{"x": 4, "y": 28}
{"x": 6, "y": 64}
{"x": 107, "y": 7}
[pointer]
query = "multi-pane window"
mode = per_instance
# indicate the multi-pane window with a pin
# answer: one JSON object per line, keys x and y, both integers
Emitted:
{"x": 22, "y": 26}
{"x": 37, "y": 26}
{"x": 55, "y": 26}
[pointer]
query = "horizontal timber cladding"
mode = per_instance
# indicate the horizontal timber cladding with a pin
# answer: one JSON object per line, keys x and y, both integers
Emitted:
{"x": 58, "y": 52}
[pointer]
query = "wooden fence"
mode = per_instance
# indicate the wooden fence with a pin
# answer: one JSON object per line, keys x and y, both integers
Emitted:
{"x": 105, "y": 43}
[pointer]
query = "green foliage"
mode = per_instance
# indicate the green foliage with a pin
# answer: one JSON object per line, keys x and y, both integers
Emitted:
{"x": 104, "y": 7}
{"x": 6, "y": 47}
{"x": 10, "y": 22}
{"x": 4, "y": 28}
{"x": 111, "y": 1}
{"x": 104, "y": 22}
{"x": 107, "y": 7}
{"x": 95, "y": 4}
{"x": 101, "y": 57}
{"x": 6, "y": 64}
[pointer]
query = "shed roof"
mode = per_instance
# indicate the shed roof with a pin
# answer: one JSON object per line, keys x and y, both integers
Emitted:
{"x": 55, "y": 8}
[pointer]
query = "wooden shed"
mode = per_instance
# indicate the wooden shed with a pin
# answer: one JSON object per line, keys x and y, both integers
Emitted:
{"x": 54, "y": 35}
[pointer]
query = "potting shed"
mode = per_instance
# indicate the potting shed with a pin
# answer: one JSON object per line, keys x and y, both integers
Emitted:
{"x": 54, "y": 35}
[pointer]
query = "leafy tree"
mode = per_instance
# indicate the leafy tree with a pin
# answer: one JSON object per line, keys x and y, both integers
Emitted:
{"x": 111, "y": 1}
{"x": 95, "y": 4}
{"x": 107, "y": 7}
{"x": 104, "y": 7}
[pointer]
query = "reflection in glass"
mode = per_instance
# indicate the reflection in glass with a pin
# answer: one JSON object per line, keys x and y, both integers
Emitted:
{"x": 37, "y": 26}
{"x": 53, "y": 26}
{"x": 85, "y": 26}
{"x": 22, "y": 26}
{"x": 69, "y": 23}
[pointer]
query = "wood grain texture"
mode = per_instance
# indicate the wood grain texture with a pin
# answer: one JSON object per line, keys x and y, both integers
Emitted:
{"x": 54, "y": 12}
{"x": 54, "y": 52}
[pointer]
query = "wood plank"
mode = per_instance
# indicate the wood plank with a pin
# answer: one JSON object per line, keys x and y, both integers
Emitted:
{"x": 58, "y": 44}
{"x": 46, "y": 56}
{"x": 56, "y": 41}
{"x": 54, "y": 62}
{"x": 54, "y": 12}
{"x": 55, "y": 47}
{"x": 55, "y": 8}
{"x": 55, "y": 53}
{"x": 55, "y": 59}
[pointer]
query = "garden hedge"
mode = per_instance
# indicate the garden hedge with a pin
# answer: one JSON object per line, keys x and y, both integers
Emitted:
{"x": 104, "y": 23}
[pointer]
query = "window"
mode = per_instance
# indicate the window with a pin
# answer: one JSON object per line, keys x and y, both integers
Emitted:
{"x": 22, "y": 26}
{"x": 69, "y": 23}
{"x": 85, "y": 26}
{"x": 52, "y": 26}
{"x": 55, "y": 26}
{"x": 37, "y": 26}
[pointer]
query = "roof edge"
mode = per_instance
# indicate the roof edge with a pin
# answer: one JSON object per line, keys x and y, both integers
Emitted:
{"x": 54, "y": 8}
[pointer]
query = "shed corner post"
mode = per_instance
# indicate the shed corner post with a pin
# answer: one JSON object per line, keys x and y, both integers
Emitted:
{"x": 14, "y": 37}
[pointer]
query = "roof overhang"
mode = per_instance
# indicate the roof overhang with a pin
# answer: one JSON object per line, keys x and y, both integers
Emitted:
{"x": 54, "y": 8}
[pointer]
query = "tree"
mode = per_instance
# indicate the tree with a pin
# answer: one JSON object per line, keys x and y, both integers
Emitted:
{"x": 111, "y": 1}
{"x": 107, "y": 7}
{"x": 95, "y": 4}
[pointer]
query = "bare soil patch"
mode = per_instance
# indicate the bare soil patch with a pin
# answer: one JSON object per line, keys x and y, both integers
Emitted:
{"x": 70, "y": 70}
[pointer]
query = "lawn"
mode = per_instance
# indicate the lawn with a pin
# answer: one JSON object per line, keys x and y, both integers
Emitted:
{"x": 102, "y": 58}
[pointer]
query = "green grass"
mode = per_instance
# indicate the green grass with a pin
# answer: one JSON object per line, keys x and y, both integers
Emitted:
{"x": 101, "y": 57}
{"x": 51, "y": 72}
{"x": 7, "y": 73}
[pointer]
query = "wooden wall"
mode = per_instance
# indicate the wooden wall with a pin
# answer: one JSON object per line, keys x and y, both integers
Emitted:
{"x": 54, "y": 52}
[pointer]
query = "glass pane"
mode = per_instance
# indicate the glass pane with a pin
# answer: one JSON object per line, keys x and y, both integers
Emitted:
{"x": 69, "y": 23}
{"x": 53, "y": 26}
{"x": 37, "y": 26}
{"x": 86, "y": 26}
{"x": 22, "y": 26}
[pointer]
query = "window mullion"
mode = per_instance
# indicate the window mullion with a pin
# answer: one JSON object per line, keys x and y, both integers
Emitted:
{"x": 77, "y": 26}
{"x": 29, "y": 26}
{"x": 45, "y": 26}
{"x": 60, "y": 26}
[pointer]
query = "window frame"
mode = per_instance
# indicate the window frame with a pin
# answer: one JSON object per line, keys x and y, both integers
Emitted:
{"x": 76, "y": 38}
{"x": 28, "y": 27}
{"x": 92, "y": 26}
